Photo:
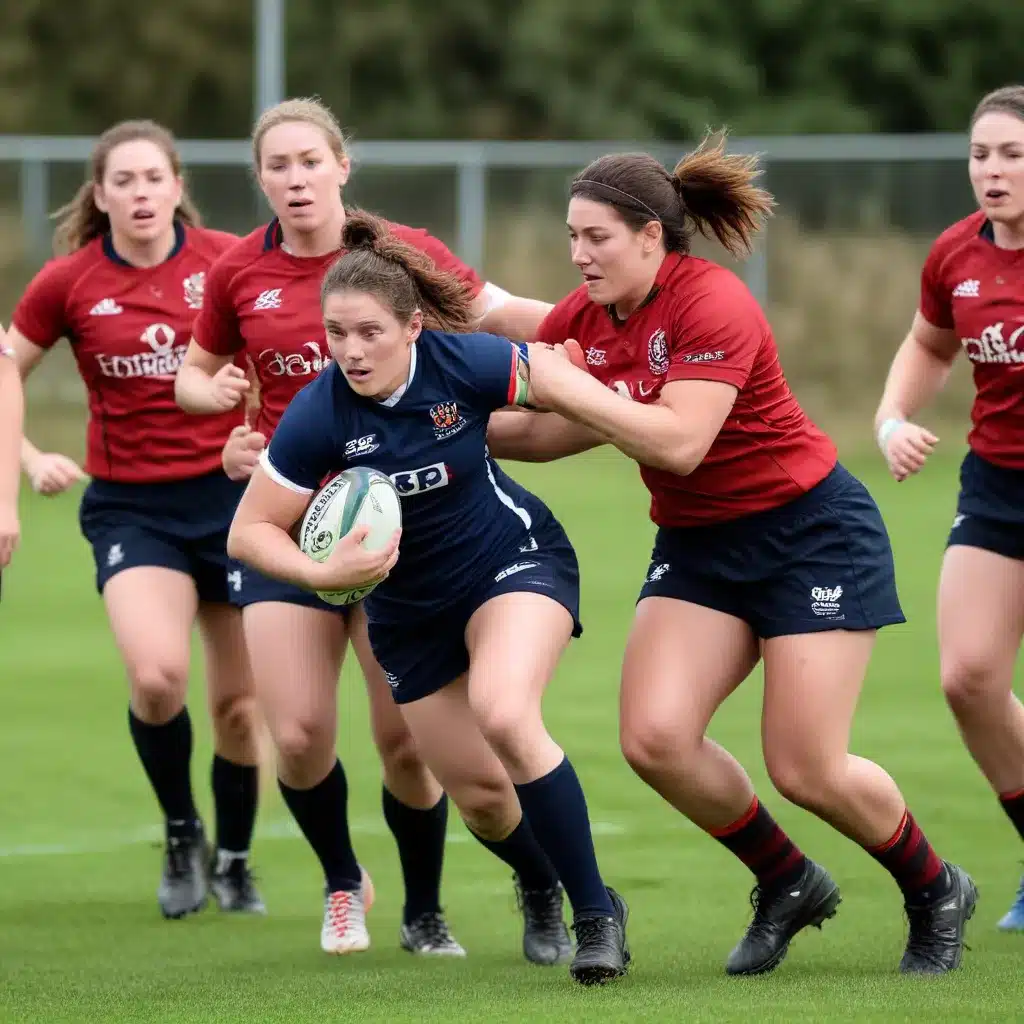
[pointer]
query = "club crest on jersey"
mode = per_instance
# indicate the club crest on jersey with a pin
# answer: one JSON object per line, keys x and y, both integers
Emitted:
{"x": 657, "y": 352}
{"x": 194, "y": 285}
{"x": 447, "y": 421}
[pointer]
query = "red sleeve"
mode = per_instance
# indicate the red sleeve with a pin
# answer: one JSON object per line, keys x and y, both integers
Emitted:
{"x": 716, "y": 335}
{"x": 41, "y": 314}
{"x": 936, "y": 301}
{"x": 554, "y": 328}
{"x": 216, "y": 327}
{"x": 443, "y": 257}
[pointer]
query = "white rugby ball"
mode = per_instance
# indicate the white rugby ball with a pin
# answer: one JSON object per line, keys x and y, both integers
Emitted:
{"x": 355, "y": 497}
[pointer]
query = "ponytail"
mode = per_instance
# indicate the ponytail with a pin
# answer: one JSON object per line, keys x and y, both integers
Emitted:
{"x": 719, "y": 196}
{"x": 401, "y": 276}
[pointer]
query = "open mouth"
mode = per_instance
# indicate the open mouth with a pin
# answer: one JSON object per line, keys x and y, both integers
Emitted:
{"x": 142, "y": 216}
{"x": 299, "y": 204}
{"x": 357, "y": 373}
{"x": 591, "y": 278}
{"x": 995, "y": 194}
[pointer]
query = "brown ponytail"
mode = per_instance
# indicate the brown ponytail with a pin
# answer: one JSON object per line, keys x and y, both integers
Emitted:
{"x": 81, "y": 220}
{"x": 402, "y": 277}
{"x": 709, "y": 191}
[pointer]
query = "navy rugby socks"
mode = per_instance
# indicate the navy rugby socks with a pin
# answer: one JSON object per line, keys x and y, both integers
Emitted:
{"x": 166, "y": 755}
{"x": 322, "y": 814}
{"x": 420, "y": 837}
{"x": 235, "y": 796}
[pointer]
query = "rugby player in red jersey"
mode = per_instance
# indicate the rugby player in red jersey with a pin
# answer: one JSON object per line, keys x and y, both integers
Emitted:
{"x": 263, "y": 299}
{"x": 159, "y": 504}
{"x": 972, "y": 297}
{"x": 767, "y": 548}
{"x": 12, "y": 411}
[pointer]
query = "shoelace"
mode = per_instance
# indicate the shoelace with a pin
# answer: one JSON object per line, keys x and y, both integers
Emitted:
{"x": 433, "y": 930}
{"x": 178, "y": 860}
{"x": 588, "y": 929}
{"x": 339, "y": 910}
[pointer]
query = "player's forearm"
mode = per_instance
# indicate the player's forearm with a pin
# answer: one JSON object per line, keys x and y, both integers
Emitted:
{"x": 269, "y": 550}
{"x": 29, "y": 455}
{"x": 193, "y": 390}
{"x": 916, "y": 376}
{"x": 516, "y": 318}
{"x": 651, "y": 434}
{"x": 12, "y": 418}
{"x": 538, "y": 436}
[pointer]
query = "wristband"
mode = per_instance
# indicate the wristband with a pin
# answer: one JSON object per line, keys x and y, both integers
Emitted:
{"x": 885, "y": 431}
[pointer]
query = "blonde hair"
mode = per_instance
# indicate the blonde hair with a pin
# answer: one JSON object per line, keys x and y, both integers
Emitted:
{"x": 307, "y": 109}
{"x": 1007, "y": 100}
{"x": 81, "y": 220}
{"x": 709, "y": 191}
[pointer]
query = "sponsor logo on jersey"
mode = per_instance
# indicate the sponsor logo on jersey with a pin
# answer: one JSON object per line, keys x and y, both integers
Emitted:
{"x": 704, "y": 357}
{"x": 447, "y": 420}
{"x": 194, "y": 285}
{"x": 269, "y": 299}
{"x": 361, "y": 446}
{"x": 596, "y": 357}
{"x": 996, "y": 345}
{"x": 657, "y": 353}
{"x": 426, "y": 478}
{"x": 162, "y": 361}
{"x": 106, "y": 307}
{"x": 307, "y": 362}
{"x": 967, "y": 289}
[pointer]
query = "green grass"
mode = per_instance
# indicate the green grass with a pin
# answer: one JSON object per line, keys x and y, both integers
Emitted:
{"x": 81, "y": 939}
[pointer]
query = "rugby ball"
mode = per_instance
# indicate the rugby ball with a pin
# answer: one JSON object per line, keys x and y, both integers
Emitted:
{"x": 355, "y": 497}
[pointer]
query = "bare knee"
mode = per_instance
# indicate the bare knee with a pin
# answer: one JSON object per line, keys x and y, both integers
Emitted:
{"x": 651, "y": 749}
{"x": 234, "y": 718}
{"x": 488, "y": 805}
{"x": 510, "y": 726}
{"x": 971, "y": 679}
{"x": 398, "y": 753}
{"x": 303, "y": 747}
{"x": 805, "y": 781}
{"x": 158, "y": 690}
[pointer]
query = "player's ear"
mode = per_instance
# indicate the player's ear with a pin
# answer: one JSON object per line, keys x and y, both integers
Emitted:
{"x": 98, "y": 198}
{"x": 415, "y": 325}
{"x": 650, "y": 235}
{"x": 179, "y": 187}
{"x": 344, "y": 169}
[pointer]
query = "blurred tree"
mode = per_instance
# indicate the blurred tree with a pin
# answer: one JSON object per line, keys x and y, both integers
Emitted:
{"x": 515, "y": 68}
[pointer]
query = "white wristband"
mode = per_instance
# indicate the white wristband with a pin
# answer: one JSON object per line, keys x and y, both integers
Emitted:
{"x": 885, "y": 431}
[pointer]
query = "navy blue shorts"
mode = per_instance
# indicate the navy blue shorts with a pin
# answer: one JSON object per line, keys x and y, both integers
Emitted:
{"x": 989, "y": 508}
{"x": 182, "y": 525}
{"x": 256, "y": 588}
{"x": 423, "y": 655}
{"x": 820, "y": 562}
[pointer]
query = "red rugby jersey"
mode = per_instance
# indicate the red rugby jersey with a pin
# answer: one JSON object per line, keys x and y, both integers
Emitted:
{"x": 266, "y": 302}
{"x": 129, "y": 329}
{"x": 701, "y": 323}
{"x": 971, "y": 286}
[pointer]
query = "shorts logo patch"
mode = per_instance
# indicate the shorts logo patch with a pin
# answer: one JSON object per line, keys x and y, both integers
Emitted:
{"x": 235, "y": 580}
{"x": 657, "y": 572}
{"x": 825, "y": 602}
{"x": 393, "y": 680}
{"x": 115, "y": 556}
{"x": 513, "y": 569}
{"x": 957, "y": 520}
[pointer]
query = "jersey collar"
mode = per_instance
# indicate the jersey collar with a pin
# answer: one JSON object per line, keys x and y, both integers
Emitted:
{"x": 111, "y": 253}
{"x": 665, "y": 271}
{"x": 395, "y": 397}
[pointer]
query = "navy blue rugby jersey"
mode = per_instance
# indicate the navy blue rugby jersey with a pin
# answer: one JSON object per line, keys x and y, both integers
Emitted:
{"x": 462, "y": 516}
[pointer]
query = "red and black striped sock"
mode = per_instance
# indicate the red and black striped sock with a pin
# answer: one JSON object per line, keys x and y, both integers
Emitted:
{"x": 759, "y": 842}
{"x": 1013, "y": 804}
{"x": 910, "y": 859}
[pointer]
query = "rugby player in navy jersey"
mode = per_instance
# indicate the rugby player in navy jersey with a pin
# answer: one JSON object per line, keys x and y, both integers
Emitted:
{"x": 474, "y": 616}
{"x": 12, "y": 411}
{"x": 972, "y": 298}
{"x": 263, "y": 299}
{"x": 157, "y": 510}
{"x": 766, "y": 548}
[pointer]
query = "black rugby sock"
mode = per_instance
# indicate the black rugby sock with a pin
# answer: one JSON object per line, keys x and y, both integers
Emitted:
{"x": 1013, "y": 805}
{"x": 166, "y": 755}
{"x": 235, "y": 795}
{"x": 523, "y": 854}
{"x": 419, "y": 835}
{"x": 322, "y": 814}
{"x": 557, "y": 812}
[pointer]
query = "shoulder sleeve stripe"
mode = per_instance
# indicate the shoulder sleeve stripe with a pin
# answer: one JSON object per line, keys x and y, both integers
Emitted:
{"x": 278, "y": 477}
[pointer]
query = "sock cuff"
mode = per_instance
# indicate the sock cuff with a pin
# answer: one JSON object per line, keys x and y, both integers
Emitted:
{"x": 741, "y": 822}
{"x": 895, "y": 837}
{"x": 1009, "y": 798}
{"x": 562, "y": 768}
